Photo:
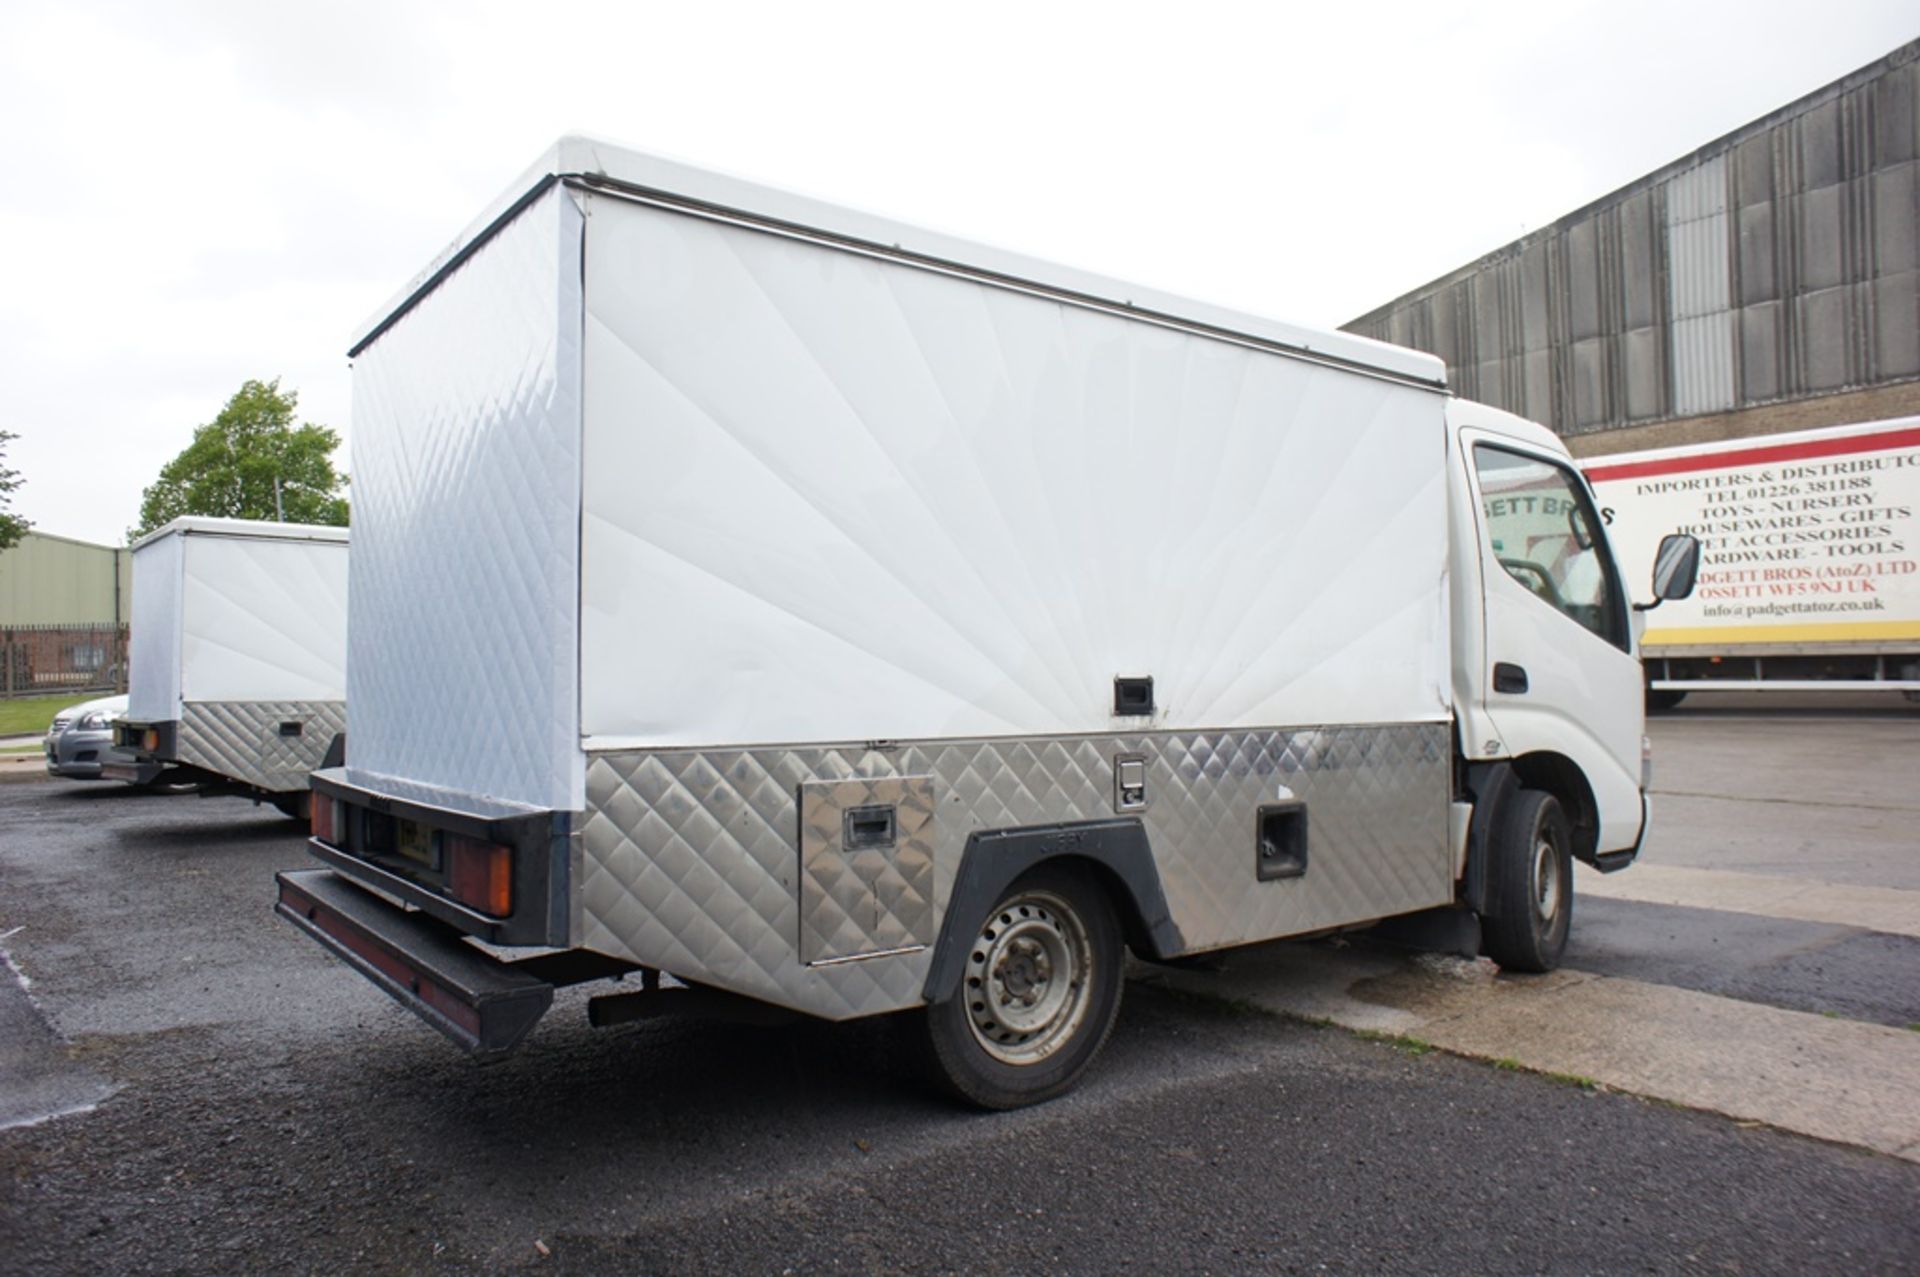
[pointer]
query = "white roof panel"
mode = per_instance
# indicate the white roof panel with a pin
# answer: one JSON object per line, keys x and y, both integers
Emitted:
{"x": 598, "y": 163}
{"x": 197, "y": 525}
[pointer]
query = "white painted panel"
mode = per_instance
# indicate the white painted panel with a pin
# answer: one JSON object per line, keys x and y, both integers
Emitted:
{"x": 828, "y": 497}
{"x": 462, "y": 655}
{"x": 1703, "y": 363}
{"x": 153, "y": 683}
{"x": 1700, "y": 293}
{"x": 262, "y": 619}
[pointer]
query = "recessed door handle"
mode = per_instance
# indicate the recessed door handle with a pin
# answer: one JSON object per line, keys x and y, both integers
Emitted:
{"x": 1509, "y": 678}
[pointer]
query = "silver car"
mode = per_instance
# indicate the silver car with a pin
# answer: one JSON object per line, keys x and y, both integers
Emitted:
{"x": 80, "y": 742}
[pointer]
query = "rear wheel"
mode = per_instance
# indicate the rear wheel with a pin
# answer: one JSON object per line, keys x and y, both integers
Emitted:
{"x": 1664, "y": 699}
{"x": 1531, "y": 881}
{"x": 1037, "y": 997}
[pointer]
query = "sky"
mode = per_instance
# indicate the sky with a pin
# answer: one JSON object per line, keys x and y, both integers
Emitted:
{"x": 194, "y": 194}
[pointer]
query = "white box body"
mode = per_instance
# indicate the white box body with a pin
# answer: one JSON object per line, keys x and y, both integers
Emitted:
{"x": 238, "y": 627}
{"x": 630, "y": 477}
{"x": 676, "y": 497}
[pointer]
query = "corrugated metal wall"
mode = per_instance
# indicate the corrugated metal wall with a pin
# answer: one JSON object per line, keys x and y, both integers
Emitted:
{"x": 1777, "y": 263}
{"x": 49, "y": 580}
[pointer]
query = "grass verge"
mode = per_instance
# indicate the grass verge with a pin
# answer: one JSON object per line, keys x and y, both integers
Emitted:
{"x": 32, "y": 714}
{"x": 1404, "y": 1042}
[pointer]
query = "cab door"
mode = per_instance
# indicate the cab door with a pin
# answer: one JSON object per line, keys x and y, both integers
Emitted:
{"x": 1560, "y": 674}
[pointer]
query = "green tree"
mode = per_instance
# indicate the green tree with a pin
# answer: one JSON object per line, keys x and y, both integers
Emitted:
{"x": 12, "y": 526}
{"x": 252, "y": 462}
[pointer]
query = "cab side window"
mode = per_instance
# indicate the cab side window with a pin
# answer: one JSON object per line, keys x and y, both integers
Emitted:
{"x": 1545, "y": 533}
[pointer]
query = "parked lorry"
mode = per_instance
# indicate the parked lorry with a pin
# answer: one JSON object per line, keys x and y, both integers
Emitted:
{"x": 846, "y": 619}
{"x": 237, "y": 677}
{"x": 1810, "y": 558}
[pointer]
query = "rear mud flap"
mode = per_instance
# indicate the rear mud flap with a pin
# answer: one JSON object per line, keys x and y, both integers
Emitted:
{"x": 483, "y": 1004}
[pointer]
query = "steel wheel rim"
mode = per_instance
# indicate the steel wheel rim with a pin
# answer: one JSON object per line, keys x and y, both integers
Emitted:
{"x": 1546, "y": 879}
{"x": 1027, "y": 986}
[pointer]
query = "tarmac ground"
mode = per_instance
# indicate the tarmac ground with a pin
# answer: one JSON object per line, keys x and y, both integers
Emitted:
{"x": 1724, "y": 1075}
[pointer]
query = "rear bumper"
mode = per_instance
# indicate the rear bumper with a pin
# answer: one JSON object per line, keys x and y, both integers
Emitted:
{"x": 484, "y": 1005}
{"x": 542, "y": 857}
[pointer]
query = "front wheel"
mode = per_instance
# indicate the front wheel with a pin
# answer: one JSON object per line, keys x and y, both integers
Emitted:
{"x": 1037, "y": 997}
{"x": 1531, "y": 881}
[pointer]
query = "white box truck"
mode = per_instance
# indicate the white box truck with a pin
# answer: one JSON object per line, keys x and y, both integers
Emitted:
{"x": 237, "y": 677}
{"x": 1810, "y": 558}
{"x": 841, "y": 617}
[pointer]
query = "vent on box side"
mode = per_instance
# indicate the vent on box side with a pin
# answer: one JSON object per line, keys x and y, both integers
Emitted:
{"x": 1133, "y": 697}
{"x": 1280, "y": 841}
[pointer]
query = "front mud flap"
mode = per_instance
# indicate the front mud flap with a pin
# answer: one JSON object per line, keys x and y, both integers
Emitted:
{"x": 483, "y": 1004}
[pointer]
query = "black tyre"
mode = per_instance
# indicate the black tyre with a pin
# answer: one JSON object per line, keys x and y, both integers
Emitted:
{"x": 1530, "y": 881}
{"x": 1664, "y": 699}
{"x": 1037, "y": 997}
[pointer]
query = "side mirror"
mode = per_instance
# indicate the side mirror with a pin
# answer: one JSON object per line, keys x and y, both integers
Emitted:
{"x": 1676, "y": 565}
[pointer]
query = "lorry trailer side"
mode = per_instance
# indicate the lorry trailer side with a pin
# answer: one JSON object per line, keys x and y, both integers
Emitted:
{"x": 1810, "y": 569}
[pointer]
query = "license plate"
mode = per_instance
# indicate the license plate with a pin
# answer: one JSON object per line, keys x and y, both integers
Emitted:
{"x": 416, "y": 843}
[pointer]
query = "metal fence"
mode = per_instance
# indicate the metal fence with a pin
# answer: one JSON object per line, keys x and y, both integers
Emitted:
{"x": 43, "y": 660}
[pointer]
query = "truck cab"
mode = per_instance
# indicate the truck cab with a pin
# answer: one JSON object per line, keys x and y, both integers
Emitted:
{"x": 1546, "y": 669}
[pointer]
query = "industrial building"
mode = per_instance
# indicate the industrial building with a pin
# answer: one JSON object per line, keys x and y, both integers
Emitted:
{"x": 1769, "y": 281}
{"x": 63, "y": 615}
{"x": 50, "y": 580}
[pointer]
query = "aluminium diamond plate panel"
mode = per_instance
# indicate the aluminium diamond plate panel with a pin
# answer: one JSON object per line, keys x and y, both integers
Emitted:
{"x": 689, "y": 859}
{"x": 247, "y": 741}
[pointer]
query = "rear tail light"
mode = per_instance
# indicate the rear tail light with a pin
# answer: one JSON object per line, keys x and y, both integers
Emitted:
{"x": 480, "y": 874}
{"x": 150, "y": 741}
{"x": 324, "y": 819}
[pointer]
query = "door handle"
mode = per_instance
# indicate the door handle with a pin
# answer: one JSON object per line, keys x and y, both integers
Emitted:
{"x": 1509, "y": 678}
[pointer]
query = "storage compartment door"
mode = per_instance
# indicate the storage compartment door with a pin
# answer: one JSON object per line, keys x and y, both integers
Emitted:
{"x": 866, "y": 867}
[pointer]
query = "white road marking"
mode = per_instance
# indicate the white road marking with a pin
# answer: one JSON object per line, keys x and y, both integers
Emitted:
{"x": 39, "y": 1078}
